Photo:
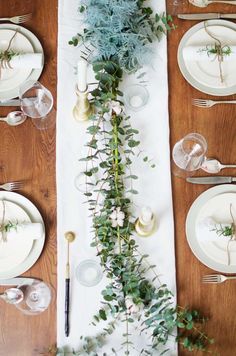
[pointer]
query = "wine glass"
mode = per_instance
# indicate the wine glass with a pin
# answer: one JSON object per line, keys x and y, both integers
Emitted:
{"x": 37, "y": 103}
{"x": 188, "y": 154}
{"x": 29, "y": 298}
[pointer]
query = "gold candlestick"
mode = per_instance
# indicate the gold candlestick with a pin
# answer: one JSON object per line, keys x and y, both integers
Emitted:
{"x": 145, "y": 227}
{"x": 82, "y": 109}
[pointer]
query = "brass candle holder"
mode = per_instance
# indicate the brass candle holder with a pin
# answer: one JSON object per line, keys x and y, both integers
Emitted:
{"x": 82, "y": 109}
{"x": 145, "y": 228}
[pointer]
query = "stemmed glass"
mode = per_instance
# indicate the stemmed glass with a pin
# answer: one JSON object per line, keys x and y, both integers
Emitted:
{"x": 30, "y": 299}
{"x": 37, "y": 103}
{"x": 188, "y": 154}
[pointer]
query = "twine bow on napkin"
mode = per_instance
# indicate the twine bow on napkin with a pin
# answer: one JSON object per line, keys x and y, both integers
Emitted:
{"x": 219, "y": 52}
{"x": 233, "y": 234}
{"x": 6, "y": 57}
{"x": 2, "y": 225}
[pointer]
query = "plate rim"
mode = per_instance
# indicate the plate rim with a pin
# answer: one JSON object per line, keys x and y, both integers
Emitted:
{"x": 37, "y": 246}
{"x": 191, "y": 219}
{"x": 37, "y": 47}
{"x": 185, "y": 73}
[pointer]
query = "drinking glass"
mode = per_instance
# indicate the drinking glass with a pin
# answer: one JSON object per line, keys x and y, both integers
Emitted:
{"x": 136, "y": 97}
{"x": 29, "y": 298}
{"x": 37, "y": 103}
{"x": 89, "y": 273}
{"x": 188, "y": 154}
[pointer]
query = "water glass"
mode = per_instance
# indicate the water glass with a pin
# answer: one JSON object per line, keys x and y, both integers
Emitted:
{"x": 136, "y": 97}
{"x": 37, "y": 103}
{"x": 188, "y": 154}
{"x": 89, "y": 273}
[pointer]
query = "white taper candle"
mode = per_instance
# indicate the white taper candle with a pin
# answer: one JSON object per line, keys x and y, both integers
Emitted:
{"x": 82, "y": 75}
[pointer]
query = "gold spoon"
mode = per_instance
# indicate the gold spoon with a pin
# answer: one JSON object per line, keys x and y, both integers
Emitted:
{"x": 69, "y": 236}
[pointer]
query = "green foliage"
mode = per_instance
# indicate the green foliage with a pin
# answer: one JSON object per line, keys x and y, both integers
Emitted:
{"x": 8, "y": 55}
{"x": 121, "y": 31}
{"x": 10, "y": 225}
{"x": 131, "y": 296}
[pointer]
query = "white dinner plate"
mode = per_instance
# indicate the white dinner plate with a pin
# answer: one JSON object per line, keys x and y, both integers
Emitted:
{"x": 213, "y": 202}
{"x": 13, "y": 252}
{"x": 34, "y": 74}
{"x": 37, "y": 246}
{"x": 11, "y": 78}
{"x": 204, "y": 75}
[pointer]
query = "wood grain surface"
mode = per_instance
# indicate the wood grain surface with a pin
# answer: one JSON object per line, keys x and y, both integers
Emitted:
{"x": 28, "y": 155}
{"x": 218, "y": 126}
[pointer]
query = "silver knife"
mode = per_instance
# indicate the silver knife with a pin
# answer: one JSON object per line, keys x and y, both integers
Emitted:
{"x": 210, "y": 180}
{"x": 206, "y": 16}
{"x": 12, "y": 102}
{"x": 16, "y": 281}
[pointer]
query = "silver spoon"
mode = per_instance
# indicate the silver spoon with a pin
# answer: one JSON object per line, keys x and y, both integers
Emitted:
{"x": 12, "y": 296}
{"x": 212, "y": 165}
{"x": 14, "y": 118}
{"x": 205, "y": 3}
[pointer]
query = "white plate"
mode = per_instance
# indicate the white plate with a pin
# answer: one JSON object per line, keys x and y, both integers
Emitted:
{"x": 10, "y": 78}
{"x": 13, "y": 252}
{"x": 37, "y": 246}
{"x": 34, "y": 73}
{"x": 215, "y": 201}
{"x": 203, "y": 75}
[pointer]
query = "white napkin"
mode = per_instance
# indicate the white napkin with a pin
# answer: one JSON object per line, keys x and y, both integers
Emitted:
{"x": 27, "y": 60}
{"x": 206, "y": 230}
{"x": 26, "y": 230}
{"x": 198, "y": 53}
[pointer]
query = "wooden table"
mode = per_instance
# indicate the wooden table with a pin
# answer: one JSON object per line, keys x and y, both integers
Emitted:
{"x": 217, "y": 125}
{"x": 28, "y": 154}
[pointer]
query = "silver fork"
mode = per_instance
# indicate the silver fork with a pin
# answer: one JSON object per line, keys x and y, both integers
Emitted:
{"x": 17, "y": 19}
{"x": 216, "y": 278}
{"x": 202, "y": 103}
{"x": 11, "y": 186}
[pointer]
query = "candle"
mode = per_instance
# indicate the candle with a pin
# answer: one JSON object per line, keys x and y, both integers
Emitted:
{"x": 82, "y": 75}
{"x": 146, "y": 215}
{"x": 136, "y": 101}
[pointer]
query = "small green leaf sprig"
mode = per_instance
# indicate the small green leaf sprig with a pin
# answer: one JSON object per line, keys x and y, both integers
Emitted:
{"x": 10, "y": 225}
{"x": 8, "y": 55}
{"x": 214, "y": 50}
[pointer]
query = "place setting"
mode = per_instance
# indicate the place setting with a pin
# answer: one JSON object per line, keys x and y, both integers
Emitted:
{"x": 22, "y": 229}
{"x": 21, "y": 65}
{"x": 210, "y": 222}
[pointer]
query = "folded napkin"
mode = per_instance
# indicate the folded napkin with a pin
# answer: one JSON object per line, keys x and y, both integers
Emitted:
{"x": 27, "y": 60}
{"x": 26, "y": 230}
{"x": 206, "y": 230}
{"x": 199, "y": 53}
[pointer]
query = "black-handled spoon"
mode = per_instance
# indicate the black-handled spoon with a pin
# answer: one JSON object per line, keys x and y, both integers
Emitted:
{"x": 69, "y": 236}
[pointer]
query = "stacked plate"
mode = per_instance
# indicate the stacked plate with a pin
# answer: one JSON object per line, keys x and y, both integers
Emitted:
{"x": 214, "y": 203}
{"x": 204, "y": 75}
{"x": 18, "y": 255}
{"x": 24, "y": 42}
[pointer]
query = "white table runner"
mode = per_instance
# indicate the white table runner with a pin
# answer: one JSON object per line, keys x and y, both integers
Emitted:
{"x": 154, "y": 185}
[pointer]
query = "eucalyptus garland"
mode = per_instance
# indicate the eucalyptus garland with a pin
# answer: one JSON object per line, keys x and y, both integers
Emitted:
{"x": 117, "y": 38}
